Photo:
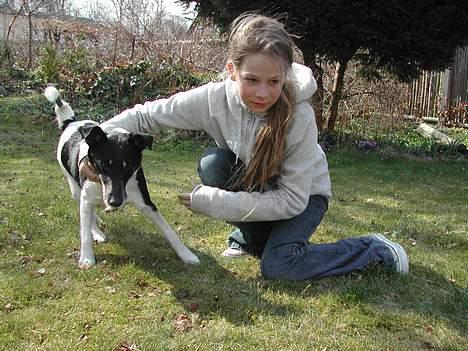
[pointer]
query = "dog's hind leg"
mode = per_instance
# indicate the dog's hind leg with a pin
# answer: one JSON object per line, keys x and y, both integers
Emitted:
{"x": 98, "y": 235}
{"x": 74, "y": 187}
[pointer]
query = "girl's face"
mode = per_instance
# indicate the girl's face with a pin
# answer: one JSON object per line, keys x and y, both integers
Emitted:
{"x": 259, "y": 81}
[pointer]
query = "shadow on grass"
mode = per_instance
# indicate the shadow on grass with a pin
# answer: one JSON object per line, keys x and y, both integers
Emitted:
{"x": 386, "y": 294}
{"x": 218, "y": 292}
{"x": 211, "y": 287}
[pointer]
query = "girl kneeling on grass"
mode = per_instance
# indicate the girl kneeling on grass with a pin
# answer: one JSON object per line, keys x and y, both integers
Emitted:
{"x": 267, "y": 176}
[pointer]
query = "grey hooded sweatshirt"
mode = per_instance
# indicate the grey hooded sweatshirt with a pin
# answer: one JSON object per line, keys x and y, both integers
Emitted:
{"x": 217, "y": 109}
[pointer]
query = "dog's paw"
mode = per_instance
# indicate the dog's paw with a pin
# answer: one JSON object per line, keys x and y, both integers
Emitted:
{"x": 86, "y": 262}
{"x": 99, "y": 236}
{"x": 190, "y": 258}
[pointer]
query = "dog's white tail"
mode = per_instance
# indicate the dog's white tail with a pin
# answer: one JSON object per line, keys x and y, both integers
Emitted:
{"x": 63, "y": 111}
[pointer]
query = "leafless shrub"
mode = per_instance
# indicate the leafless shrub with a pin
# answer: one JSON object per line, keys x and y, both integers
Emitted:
{"x": 377, "y": 105}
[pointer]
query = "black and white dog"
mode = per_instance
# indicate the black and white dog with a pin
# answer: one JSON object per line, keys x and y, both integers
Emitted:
{"x": 116, "y": 156}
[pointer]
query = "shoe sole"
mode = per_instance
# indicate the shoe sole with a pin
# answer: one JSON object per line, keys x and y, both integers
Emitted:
{"x": 236, "y": 254}
{"x": 399, "y": 253}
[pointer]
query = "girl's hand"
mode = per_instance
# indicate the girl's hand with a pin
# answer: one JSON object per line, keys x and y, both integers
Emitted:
{"x": 87, "y": 170}
{"x": 186, "y": 200}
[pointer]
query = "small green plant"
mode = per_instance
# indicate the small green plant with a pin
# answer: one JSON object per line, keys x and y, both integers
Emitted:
{"x": 460, "y": 134}
{"x": 49, "y": 65}
{"x": 5, "y": 58}
{"x": 120, "y": 83}
{"x": 78, "y": 70}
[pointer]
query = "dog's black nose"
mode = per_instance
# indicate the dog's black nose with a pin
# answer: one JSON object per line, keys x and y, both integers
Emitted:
{"x": 115, "y": 202}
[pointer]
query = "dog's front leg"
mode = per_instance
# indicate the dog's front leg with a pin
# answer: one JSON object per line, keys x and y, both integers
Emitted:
{"x": 98, "y": 235}
{"x": 87, "y": 258}
{"x": 155, "y": 216}
{"x": 139, "y": 196}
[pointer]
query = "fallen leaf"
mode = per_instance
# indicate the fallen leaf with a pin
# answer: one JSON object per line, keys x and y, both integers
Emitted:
{"x": 83, "y": 337}
{"x": 134, "y": 295}
{"x": 75, "y": 254}
{"x": 182, "y": 323}
{"x": 428, "y": 345}
{"x": 110, "y": 289}
{"x": 25, "y": 260}
{"x": 126, "y": 346}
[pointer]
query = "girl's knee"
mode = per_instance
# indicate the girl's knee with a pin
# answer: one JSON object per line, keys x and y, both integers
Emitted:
{"x": 276, "y": 263}
{"x": 269, "y": 272}
{"x": 214, "y": 166}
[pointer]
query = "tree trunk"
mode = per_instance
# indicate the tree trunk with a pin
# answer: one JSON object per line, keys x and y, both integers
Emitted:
{"x": 114, "y": 56}
{"x": 317, "y": 98}
{"x": 133, "y": 48}
{"x": 338, "y": 81}
{"x": 30, "y": 40}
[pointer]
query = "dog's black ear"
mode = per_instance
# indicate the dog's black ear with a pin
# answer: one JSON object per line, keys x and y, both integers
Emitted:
{"x": 141, "y": 140}
{"x": 93, "y": 135}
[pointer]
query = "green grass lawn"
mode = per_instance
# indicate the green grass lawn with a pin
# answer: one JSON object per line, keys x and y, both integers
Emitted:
{"x": 140, "y": 296}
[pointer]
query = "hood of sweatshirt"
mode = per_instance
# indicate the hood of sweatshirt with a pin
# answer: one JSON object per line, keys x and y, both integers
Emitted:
{"x": 304, "y": 81}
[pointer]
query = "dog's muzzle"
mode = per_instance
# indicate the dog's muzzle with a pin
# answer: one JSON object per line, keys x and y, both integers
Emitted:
{"x": 114, "y": 197}
{"x": 110, "y": 208}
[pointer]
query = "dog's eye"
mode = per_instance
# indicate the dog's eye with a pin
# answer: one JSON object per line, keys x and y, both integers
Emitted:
{"x": 128, "y": 164}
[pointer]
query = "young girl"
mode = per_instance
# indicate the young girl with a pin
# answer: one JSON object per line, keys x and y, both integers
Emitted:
{"x": 267, "y": 176}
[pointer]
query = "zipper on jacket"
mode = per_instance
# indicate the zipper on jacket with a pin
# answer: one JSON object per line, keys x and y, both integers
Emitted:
{"x": 248, "y": 127}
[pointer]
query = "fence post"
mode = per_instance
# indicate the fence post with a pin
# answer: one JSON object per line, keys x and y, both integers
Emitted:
{"x": 446, "y": 90}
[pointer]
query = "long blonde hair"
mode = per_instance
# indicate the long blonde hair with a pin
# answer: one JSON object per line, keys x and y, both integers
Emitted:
{"x": 252, "y": 34}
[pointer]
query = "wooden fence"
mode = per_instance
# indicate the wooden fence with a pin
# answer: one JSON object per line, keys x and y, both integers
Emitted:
{"x": 442, "y": 95}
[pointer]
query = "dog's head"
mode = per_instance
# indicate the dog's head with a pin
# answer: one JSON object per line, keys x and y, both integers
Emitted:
{"x": 116, "y": 156}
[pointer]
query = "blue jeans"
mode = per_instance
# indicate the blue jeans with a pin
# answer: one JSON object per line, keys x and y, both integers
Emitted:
{"x": 283, "y": 245}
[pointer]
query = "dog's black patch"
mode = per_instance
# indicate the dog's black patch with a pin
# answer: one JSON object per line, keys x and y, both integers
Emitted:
{"x": 66, "y": 123}
{"x": 70, "y": 153}
{"x": 141, "y": 181}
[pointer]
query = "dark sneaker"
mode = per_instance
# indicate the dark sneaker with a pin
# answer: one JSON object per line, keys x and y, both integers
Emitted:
{"x": 399, "y": 254}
